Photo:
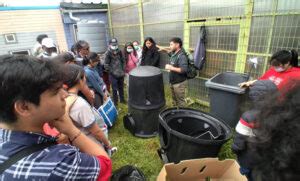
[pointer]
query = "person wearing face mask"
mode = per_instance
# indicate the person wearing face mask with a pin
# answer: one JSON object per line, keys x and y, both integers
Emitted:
{"x": 131, "y": 59}
{"x": 130, "y": 56}
{"x": 115, "y": 65}
{"x": 94, "y": 81}
{"x": 139, "y": 51}
{"x": 284, "y": 68}
{"x": 49, "y": 49}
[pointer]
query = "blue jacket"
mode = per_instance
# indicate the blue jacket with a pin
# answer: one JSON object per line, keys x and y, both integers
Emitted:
{"x": 94, "y": 81}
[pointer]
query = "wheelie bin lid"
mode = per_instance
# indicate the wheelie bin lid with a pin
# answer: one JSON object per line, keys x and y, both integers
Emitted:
{"x": 227, "y": 81}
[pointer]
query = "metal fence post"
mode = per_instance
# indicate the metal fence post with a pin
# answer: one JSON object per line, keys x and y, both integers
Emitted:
{"x": 186, "y": 27}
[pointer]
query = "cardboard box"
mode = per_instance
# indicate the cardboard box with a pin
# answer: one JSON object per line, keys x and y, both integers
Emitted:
{"x": 200, "y": 169}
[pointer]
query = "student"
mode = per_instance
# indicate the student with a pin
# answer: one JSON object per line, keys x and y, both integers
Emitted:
{"x": 284, "y": 67}
{"x": 37, "y": 49}
{"x": 138, "y": 50}
{"x": 85, "y": 116}
{"x": 150, "y": 54}
{"x": 94, "y": 81}
{"x": 115, "y": 65}
{"x": 65, "y": 58}
{"x": 49, "y": 49}
{"x": 276, "y": 145}
{"x": 247, "y": 123}
{"x": 31, "y": 95}
{"x": 130, "y": 56}
{"x": 82, "y": 49}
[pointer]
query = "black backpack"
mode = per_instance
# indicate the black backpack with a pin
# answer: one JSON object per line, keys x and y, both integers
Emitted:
{"x": 191, "y": 70}
{"x": 128, "y": 173}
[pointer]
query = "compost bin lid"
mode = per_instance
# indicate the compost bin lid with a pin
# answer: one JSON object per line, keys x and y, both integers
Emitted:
{"x": 145, "y": 71}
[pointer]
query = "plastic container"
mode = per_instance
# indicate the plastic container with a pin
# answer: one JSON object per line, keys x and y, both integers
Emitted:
{"x": 146, "y": 99}
{"x": 146, "y": 88}
{"x": 142, "y": 123}
{"x": 226, "y": 97}
{"x": 189, "y": 134}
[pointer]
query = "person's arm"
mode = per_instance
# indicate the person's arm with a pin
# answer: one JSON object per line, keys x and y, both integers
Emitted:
{"x": 88, "y": 94}
{"x": 107, "y": 62}
{"x": 98, "y": 134}
{"x": 183, "y": 65}
{"x": 95, "y": 84}
{"x": 163, "y": 49}
{"x": 77, "y": 138}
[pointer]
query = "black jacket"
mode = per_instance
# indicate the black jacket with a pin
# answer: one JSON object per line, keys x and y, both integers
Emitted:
{"x": 151, "y": 58}
{"x": 114, "y": 64}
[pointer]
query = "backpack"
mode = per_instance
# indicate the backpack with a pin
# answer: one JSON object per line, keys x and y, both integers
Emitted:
{"x": 128, "y": 173}
{"x": 191, "y": 70}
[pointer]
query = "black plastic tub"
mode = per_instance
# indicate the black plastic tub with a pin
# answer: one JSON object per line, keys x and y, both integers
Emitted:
{"x": 142, "y": 123}
{"x": 190, "y": 134}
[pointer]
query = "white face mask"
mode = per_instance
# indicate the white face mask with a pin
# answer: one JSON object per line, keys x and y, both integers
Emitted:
{"x": 129, "y": 50}
{"x": 114, "y": 47}
{"x": 279, "y": 69}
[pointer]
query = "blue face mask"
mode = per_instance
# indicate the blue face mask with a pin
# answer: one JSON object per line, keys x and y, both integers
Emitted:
{"x": 136, "y": 47}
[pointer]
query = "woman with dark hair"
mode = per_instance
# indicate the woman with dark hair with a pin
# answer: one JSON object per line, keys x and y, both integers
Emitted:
{"x": 284, "y": 67}
{"x": 130, "y": 56}
{"x": 150, "y": 54}
{"x": 85, "y": 116}
{"x": 94, "y": 81}
{"x": 82, "y": 49}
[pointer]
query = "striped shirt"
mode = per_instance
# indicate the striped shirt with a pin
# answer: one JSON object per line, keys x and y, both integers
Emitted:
{"x": 57, "y": 162}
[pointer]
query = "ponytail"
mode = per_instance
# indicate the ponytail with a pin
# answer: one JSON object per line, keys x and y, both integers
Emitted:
{"x": 283, "y": 57}
{"x": 294, "y": 60}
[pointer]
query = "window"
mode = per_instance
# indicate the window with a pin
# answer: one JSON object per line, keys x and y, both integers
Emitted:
{"x": 10, "y": 38}
{"x": 20, "y": 52}
{"x": 75, "y": 31}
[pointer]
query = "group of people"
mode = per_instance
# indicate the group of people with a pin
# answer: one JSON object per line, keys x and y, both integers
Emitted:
{"x": 50, "y": 128}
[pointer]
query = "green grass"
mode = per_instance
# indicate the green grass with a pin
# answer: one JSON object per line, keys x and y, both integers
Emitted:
{"x": 142, "y": 153}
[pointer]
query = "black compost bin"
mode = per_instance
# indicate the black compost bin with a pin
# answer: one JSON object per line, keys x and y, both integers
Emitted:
{"x": 146, "y": 88}
{"x": 146, "y": 98}
{"x": 189, "y": 134}
{"x": 226, "y": 97}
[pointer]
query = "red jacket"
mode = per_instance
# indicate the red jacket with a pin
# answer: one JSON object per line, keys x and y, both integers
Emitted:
{"x": 281, "y": 79}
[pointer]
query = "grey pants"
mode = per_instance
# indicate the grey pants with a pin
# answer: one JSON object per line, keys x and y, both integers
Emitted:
{"x": 178, "y": 93}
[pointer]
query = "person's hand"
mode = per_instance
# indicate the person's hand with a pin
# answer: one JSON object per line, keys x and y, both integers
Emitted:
{"x": 63, "y": 139}
{"x": 64, "y": 124}
{"x": 105, "y": 97}
{"x": 168, "y": 67}
{"x": 247, "y": 84}
{"x": 92, "y": 94}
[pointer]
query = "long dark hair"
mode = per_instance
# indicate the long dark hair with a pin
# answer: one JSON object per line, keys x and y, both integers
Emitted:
{"x": 126, "y": 53}
{"x": 73, "y": 74}
{"x": 283, "y": 57}
{"x": 92, "y": 57}
{"x": 152, "y": 49}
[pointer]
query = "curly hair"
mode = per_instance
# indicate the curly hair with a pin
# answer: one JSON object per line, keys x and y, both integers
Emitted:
{"x": 276, "y": 146}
